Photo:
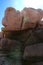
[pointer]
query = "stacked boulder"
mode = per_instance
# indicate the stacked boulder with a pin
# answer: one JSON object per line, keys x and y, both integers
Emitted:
{"x": 20, "y": 19}
{"x": 23, "y": 36}
{"x": 12, "y": 19}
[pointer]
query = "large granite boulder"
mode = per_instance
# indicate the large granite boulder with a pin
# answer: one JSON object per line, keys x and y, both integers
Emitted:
{"x": 12, "y": 19}
{"x": 22, "y": 38}
{"x": 15, "y": 20}
{"x": 11, "y": 51}
{"x": 41, "y": 18}
{"x": 34, "y": 50}
{"x": 30, "y": 18}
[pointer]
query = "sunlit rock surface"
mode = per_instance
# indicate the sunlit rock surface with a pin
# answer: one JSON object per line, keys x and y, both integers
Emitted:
{"x": 16, "y": 20}
{"x": 12, "y": 19}
{"x": 31, "y": 17}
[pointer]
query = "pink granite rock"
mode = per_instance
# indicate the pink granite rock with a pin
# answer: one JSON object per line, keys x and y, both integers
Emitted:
{"x": 41, "y": 18}
{"x": 12, "y": 19}
{"x": 15, "y": 20}
{"x": 31, "y": 16}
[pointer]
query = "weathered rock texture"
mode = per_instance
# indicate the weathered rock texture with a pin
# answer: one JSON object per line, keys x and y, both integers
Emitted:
{"x": 1, "y": 35}
{"x": 41, "y": 17}
{"x": 12, "y": 19}
{"x": 23, "y": 36}
{"x": 31, "y": 17}
{"x": 15, "y": 20}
